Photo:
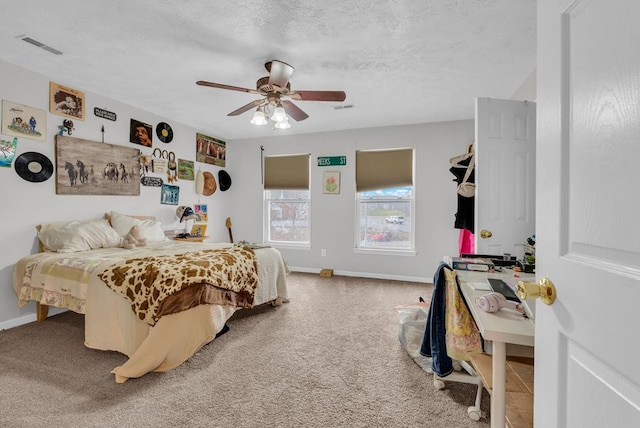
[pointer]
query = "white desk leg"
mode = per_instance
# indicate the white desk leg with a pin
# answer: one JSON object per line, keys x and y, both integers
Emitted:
{"x": 498, "y": 406}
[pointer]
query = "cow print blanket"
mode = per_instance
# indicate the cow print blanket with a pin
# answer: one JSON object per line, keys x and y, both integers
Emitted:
{"x": 160, "y": 285}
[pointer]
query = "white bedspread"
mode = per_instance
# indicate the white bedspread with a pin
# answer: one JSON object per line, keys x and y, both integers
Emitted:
{"x": 71, "y": 281}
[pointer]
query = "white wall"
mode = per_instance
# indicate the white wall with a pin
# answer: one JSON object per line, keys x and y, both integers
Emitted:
{"x": 527, "y": 91}
{"x": 332, "y": 216}
{"x": 27, "y": 204}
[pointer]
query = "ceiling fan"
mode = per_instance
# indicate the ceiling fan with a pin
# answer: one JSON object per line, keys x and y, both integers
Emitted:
{"x": 274, "y": 88}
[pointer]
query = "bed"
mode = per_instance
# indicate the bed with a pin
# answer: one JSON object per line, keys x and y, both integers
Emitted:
{"x": 92, "y": 275}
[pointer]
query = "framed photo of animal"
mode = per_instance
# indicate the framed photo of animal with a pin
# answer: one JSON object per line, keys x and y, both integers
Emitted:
{"x": 85, "y": 167}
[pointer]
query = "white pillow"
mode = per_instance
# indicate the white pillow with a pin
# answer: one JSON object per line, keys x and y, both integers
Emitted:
{"x": 151, "y": 229}
{"x": 78, "y": 236}
{"x": 122, "y": 223}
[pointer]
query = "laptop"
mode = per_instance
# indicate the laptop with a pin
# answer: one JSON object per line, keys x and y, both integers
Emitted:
{"x": 499, "y": 286}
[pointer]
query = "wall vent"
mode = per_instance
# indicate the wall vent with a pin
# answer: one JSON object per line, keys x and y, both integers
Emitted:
{"x": 342, "y": 107}
{"x": 40, "y": 45}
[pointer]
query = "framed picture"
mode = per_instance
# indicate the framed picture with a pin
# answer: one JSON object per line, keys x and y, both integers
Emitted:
{"x": 7, "y": 151}
{"x": 199, "y": 229}
{"x": 201, "y": 212}
{"x": 159, "y": 161}
{"x": 331, "y": 182}
{"x": 65, "y": 101}
{"x": 85, "y": 167}
{"x": 141, "y": 133}
{"x": 169, "y": 194}
{"x": 23, "y": 121}
{"x": 185, "y": 169}
{"x": 210, "y": 150}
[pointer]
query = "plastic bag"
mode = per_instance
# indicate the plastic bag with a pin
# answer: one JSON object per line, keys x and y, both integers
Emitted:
{"x": 412, "y": 319}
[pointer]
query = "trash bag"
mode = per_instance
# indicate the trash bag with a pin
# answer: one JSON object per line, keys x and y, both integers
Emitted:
{"x": 412, "y": 319}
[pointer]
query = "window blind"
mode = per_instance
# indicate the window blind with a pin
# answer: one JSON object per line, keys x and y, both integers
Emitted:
{"x": 383, "y": 169}
{"x": 287, "y": 172}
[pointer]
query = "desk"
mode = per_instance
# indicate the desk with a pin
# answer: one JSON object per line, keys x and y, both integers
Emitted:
{"x": 502, "y": 327}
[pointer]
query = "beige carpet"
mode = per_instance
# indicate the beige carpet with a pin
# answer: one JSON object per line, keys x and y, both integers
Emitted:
{"x": 330, "y": 358}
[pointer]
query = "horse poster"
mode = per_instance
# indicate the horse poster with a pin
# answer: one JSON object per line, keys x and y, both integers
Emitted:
{"x": 85, "y": 167}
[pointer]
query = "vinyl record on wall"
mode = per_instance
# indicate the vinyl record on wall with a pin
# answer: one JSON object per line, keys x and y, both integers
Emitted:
{"x": 33, "y": 166}
{"x": 164, "y": 132}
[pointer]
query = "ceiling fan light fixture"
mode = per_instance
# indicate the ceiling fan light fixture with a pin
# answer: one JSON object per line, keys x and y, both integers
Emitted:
{"x": 279, "y": 114}
{"x": 272, "y": 89}
{"x": 283, "y": 124}
{"x": 258, "y": 118}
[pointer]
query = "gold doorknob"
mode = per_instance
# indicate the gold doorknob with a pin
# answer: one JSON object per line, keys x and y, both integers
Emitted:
{"x": 484, "y": 234}
{"x": 545, "y": 290}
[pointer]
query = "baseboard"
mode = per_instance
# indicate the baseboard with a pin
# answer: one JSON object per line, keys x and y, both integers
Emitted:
{"x": 364, "y": 275}
{"x": 26, "y": 319}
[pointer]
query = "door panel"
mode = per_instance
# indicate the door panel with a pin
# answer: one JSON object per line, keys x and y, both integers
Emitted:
{"x": 505, "y": 175}
{"x": 588, "y": 239}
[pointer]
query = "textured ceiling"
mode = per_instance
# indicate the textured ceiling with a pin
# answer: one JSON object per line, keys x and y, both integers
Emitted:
{"x": 399, "y": 62}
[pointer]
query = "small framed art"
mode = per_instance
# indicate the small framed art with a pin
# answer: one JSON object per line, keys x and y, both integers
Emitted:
{"x": 170, "y": 194}
{"x": 201, "y": 212}
{"x": 210, "y": 150}
{"x": 331, "y": 182}
{"x": 141, "y": 133}
{"x": 65, "y": 101}
{"x": 185, "y": 169}
{"x": 19, "y": 120}
{"x": 199, "y": 229}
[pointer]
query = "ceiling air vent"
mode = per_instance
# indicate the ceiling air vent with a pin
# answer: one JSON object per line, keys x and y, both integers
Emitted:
{"x": 40, "y": 45}
{"x": 342, "y": 107}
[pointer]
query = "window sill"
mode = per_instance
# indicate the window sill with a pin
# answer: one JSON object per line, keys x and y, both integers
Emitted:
{"x": 287, "y": 246}
{"x": 386, "y": 252}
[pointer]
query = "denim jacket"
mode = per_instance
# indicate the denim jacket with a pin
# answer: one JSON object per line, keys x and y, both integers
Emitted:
{"x": 434, "y": 340}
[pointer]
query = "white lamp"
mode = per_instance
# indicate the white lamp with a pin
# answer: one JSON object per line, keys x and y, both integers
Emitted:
{"x": 278, "y": 114}
{"x": 283, "y": 124}
{"x": 258, "y": 117}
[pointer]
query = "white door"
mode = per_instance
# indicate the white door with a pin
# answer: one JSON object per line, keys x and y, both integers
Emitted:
{"x": 505, "y": 175}
{"x": 588, "y": 155}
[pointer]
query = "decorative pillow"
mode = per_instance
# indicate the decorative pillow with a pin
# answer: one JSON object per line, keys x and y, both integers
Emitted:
{"x": 69, "y": 237}
{"x": 122, "y": 223}
{"x": 151, "y": 229}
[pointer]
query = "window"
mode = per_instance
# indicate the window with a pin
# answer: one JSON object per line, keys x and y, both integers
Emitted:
{"x": 286, "y": 197}
{"x": 385, "y": 219}
{"x": 287, "y": 216}
{"x": 384, "y": 183}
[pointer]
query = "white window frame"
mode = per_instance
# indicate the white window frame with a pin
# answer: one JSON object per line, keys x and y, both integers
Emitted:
{"x": 384, "y": 248}
{"x": 267, "y": 218}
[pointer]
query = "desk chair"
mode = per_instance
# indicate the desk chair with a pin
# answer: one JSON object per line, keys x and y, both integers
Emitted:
{"x": 450, "y": 335}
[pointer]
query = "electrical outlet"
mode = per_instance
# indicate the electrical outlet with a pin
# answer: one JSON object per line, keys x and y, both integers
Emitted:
{"x": 323, "y": 252}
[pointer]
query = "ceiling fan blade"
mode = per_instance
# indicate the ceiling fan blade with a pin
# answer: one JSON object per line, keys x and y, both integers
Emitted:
{"x": 294, "y": 111}
{"x": 279, "y": 73}
{"x": 246, "y": 107}
{"x": 222, "y": 86}
{"x": 318, "y": 95}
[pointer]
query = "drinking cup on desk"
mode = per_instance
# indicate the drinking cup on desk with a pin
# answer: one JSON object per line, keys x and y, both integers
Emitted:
{"x": 506, "y": 256}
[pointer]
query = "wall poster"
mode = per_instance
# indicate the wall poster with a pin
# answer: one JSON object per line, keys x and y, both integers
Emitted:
{"x": 23, "y": 121}
{"x": 331, "y": 183}
{"x": 169, "y": 194}
{"x": 65, "y": 101}
{"x": 210, "y": 150}
{"x": 85, "y": 167}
